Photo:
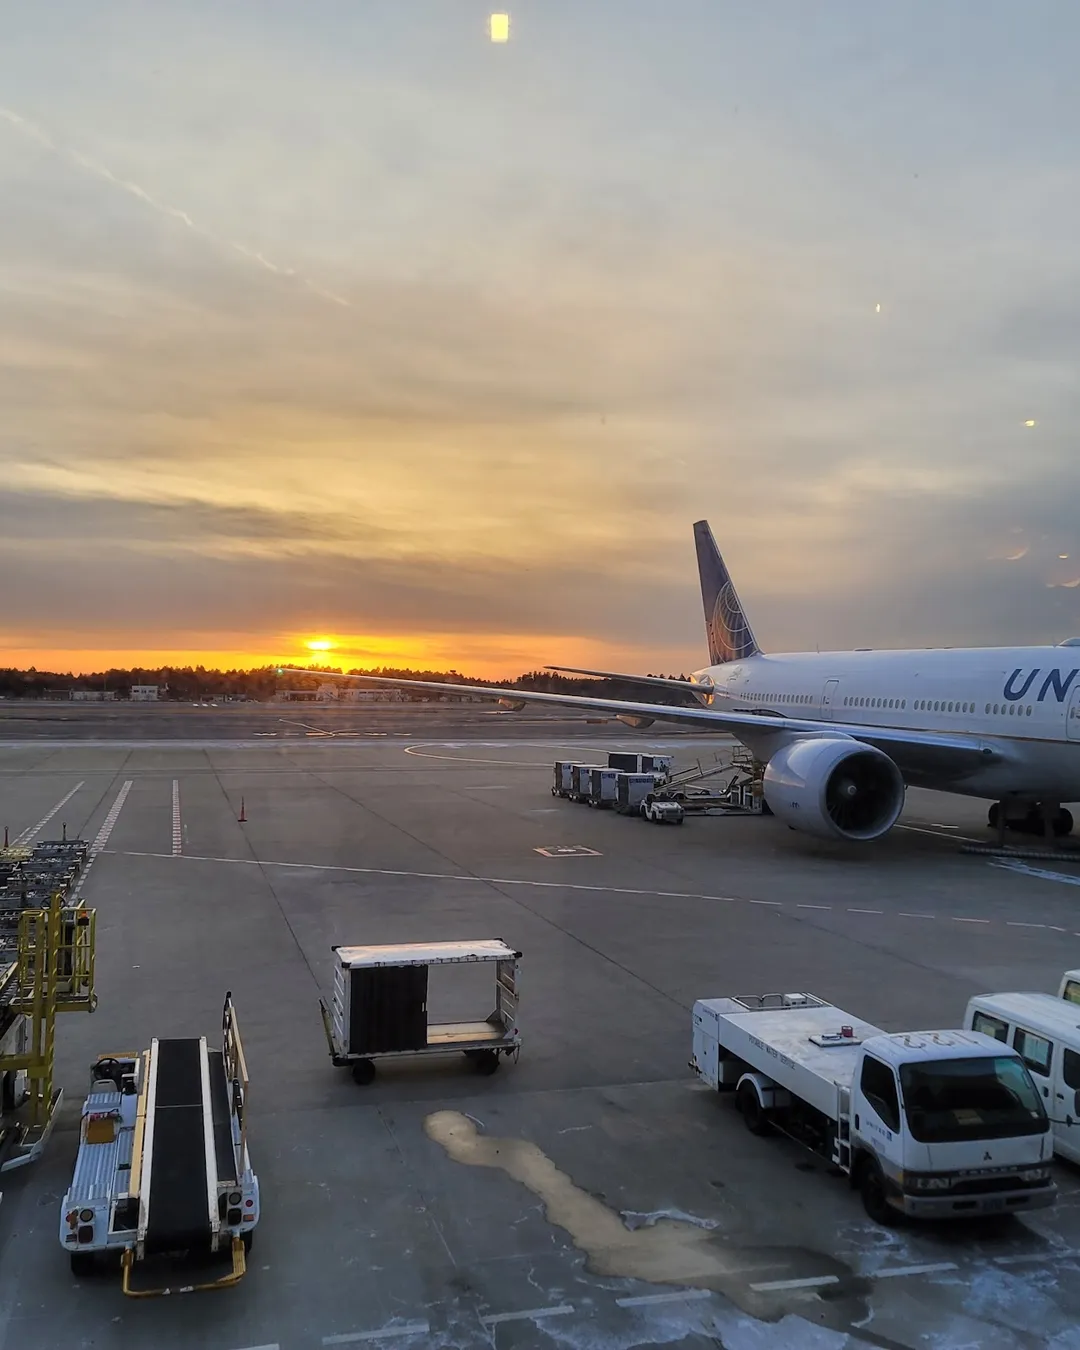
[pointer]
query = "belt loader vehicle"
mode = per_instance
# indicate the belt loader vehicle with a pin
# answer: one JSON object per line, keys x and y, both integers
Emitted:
{"x": 163, "y": 1167}
{"x": 934, "y": 1124}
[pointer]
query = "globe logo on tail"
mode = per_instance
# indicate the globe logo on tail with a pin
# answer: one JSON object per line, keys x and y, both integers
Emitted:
{"x": 729, "y": 631}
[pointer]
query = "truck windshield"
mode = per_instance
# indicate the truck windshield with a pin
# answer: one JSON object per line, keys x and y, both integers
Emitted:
{"x": 984, "y": 1098}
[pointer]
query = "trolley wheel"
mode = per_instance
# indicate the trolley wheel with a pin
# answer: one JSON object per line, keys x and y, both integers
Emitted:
{"x": 554, "y": 792}
{"x": 83, "y": 1264}
{"x": 247, "y": 1237}
{"x": 484, "y": 1061}
{"x": 363, "y": 1071}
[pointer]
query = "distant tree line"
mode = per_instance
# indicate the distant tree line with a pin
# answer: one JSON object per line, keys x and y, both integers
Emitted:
{"x": 197, "y": 683}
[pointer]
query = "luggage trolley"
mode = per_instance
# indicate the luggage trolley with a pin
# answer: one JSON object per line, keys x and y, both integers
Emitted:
{"x": 379, "y": 1005}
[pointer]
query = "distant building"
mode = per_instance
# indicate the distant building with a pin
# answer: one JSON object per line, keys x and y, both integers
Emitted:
{"x": 295, "y": 696}
{"x": 145, "y": 693}
{"x": 92, "y": 695}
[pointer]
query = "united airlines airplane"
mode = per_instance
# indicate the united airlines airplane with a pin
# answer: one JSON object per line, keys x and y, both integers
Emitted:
{"x": 842, "y": 734}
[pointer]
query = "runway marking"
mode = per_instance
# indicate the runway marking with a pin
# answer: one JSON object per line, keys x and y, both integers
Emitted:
{"x": 98, "y": 846}
{"x": 865, "y": 911}
{"x": 931, "y": 1269}
{"x": 911, "y": 914}
{"x": 1016, "y": 923}
{"x": 520, "y": 881}
{"x": 921, "y": 829}
{"x": 1040, "y": 873}
{"x": 272, "y": 1345}
{"x": 177, "y": 830}
{"x": 33, "y": 830}
{"x": 676, "y": 1296}
{"x": 379, "y": 1334}
{"x": 810, "y": 1282}
{"x": 558, "y": 1310}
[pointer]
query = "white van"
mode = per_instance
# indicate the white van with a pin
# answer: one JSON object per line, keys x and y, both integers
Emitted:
{"x": 1045, "y": 1033}
{"x": 1069, "y": 988}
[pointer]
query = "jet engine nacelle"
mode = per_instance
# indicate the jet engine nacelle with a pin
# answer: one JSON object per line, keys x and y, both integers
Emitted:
{"x": 834, "y": 788}
{"x": 634, "y": 720}
{"x": 514, "y": 704}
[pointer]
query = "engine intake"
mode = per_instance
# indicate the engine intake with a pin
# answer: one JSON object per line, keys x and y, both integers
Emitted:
{"x": 834, "y": 788}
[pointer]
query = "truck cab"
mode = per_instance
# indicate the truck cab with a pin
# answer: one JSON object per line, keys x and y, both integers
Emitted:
{"x": 949, "y": 1123}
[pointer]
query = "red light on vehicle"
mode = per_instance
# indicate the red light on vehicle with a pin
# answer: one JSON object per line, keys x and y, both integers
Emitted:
{"x": 847, "y": 1031}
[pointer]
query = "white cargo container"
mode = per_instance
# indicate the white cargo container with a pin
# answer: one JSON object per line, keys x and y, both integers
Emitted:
{"x": 581, "y": 781}
{"x": 603, "y": 787}
{"x": 938, "y": 1124}
{"x": 380, "y": 1005}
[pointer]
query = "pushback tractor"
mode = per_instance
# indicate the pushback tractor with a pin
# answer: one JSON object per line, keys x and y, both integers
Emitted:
{"x": 162, "y": 1169}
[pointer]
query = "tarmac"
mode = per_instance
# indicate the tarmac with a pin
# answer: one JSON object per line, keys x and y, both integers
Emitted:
{"x": 592, "y": 1194}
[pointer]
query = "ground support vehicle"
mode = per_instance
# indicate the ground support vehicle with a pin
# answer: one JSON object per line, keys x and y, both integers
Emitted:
{"x": 662, "y": 812}
{"x": 935, "y": 1124}
{"x": 379, "y": 1005}
{"x": 163, "y": 1169}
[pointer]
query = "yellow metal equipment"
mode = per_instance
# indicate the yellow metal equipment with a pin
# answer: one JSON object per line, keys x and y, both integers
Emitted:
{"x": 53, "y": 972}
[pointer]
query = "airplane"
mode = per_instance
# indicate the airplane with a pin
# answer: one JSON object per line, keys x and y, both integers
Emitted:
{"x": 842, "y": 735}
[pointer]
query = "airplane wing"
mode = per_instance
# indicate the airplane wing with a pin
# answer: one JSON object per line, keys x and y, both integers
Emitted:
{"x": 914, "y": 752}
{"x": 659, "y": 681}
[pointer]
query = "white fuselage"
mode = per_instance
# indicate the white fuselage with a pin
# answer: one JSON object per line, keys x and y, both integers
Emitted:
{"x": 1025, "y": 701}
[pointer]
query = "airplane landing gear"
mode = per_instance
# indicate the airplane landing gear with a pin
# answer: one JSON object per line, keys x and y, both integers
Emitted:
{"x": 1040, "y": 818}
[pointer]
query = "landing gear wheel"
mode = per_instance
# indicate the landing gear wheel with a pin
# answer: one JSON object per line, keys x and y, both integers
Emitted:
{"x": 872, "y": 1190}
{"x": 1063, "y": 823}
{"x": 483, "y": 1061}
{"x": 83, "y": 1264}
{"x": 363, "y": 1071}
{"x": 993, "y": 816}
{"x": 754, "y": 1117}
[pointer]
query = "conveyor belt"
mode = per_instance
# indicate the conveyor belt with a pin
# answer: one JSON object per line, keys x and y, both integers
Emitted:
{"x": 219, "y": 1100}
{"x": 177, "y": 1210}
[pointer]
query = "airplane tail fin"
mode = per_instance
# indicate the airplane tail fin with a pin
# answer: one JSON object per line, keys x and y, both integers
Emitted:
{"x": 730, "y": 638}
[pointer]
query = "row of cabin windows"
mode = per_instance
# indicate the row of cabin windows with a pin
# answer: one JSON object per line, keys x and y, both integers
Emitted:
{"x": 875, "y": 702}
{"x": 1036, "y": 1051}
{"x": 941, "y": 705}
{"x": 781, "y": 698}
{"x": 1013, "y": 709}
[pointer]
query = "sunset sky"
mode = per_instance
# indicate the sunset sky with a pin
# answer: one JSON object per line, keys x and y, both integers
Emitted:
{"x": 339, "y": 321}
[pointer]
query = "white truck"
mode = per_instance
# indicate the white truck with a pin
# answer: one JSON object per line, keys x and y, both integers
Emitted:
{"x": 935, "y": 1124}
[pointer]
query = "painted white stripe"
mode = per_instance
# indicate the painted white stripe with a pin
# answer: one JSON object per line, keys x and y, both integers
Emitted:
{"x": 380, "y": 1334}
{"x": 676, "y": 1296}
{"x": 273, "y": 1345}
{"x": 102, "y": 836}
{"x": 177, "y": 828}
{"x": 505, "y": 881}
{"x": 1016, "y": 923}
{"x": 811, "y": 1282}
{"x": 932, "y": 1269}
{"x": 32, "y": 831}
{"x": 527, "y": 1314}
{"x": 911, "y": 914}
{"x": 866, "y": 911}
{"x": 1040, "y": 872}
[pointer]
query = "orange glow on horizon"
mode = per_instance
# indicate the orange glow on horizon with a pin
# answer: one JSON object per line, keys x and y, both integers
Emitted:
{"x": 483, "y": 656}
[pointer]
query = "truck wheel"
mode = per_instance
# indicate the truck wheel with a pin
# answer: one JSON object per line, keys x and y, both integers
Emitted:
{"x": 484, "y": 1061}
{"x": 363, "y": 1071}
{"x": 247, "y": 1237}
{"x": 872, "y": 1190}
{"x": 757, "y": 1120}
{"x": 83, "y": 1264}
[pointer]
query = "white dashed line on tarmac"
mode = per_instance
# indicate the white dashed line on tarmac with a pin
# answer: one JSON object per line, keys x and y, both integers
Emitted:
{"x": 177, "y": 829}
{"x": 379, "y": 1334}
{"x": 808, "y": 1282}
{"x": 676, "y": 1296}
{"x": 527, "y": 1314}
{"x": 934, "y": 1268}
{"x": 29, "y": 834}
